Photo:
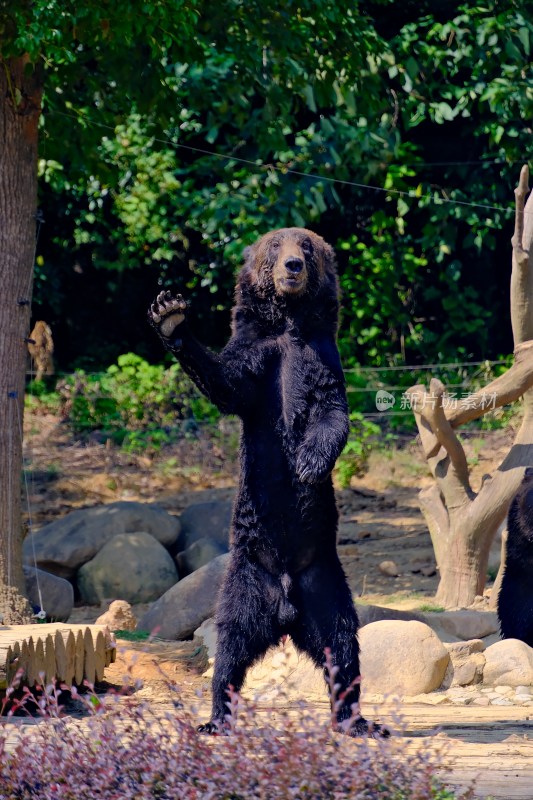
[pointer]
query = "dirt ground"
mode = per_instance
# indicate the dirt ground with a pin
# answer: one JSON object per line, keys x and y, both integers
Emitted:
{"x": 380, "y": 520}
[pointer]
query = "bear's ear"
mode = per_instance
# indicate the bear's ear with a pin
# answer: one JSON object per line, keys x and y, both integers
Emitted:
{"x": 249, "y": 254}
{"x": 329, "y": 260}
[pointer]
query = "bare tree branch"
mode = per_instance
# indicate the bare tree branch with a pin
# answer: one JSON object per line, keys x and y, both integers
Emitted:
{"x": 500, "y": 392}
{"x": 522, "y": 273}
{"x": 450, "y": 471}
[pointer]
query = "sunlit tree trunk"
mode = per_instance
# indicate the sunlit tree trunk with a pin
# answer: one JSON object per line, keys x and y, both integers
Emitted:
{"x": 462, "y": 524}
{"x": 20, "y": 102}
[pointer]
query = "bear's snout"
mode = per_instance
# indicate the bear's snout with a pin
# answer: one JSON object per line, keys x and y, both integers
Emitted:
{"x": 294, "y": 265}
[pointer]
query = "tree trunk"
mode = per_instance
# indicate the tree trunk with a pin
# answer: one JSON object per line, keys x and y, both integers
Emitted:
{"x": 20, "y": 102}
{"x": 462, "y": 524}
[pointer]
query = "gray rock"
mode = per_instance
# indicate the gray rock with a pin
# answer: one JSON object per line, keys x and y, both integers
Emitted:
{"x": 63, "y": 546}
{"x": 198, "y": 554}
{"x": 57, "y": 593}
{"x": 404, "y": 658}
{"x": 368, "y": 614}
{"x": 288, "y": 672}
{"x": 206, "y": 636}
{"x": 181, "y": 610}
{"x": 389, "y": 568}
{"x": 131, "y": 566}
{"x": 508, "y": 662}
{"x": 464, "y": 624}
{"x": 466, "y": 665}
{"x": 206, "y": 521}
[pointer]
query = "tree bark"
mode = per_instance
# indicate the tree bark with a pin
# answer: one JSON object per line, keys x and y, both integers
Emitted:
{"x": 20, "y": 103}
{"x": 462, "y": 524}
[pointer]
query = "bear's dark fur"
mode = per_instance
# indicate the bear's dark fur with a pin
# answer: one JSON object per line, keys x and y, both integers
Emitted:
{"x": 515, "y": 600}
{"x": 281, "y": 373}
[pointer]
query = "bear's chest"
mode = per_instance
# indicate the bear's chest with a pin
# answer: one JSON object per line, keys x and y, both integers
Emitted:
{"x": 299, "y": 375}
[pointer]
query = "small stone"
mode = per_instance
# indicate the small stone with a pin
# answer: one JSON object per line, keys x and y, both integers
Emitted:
{"x": 389, "y": 568}
{"x": 522, "y": 699}
{"x": 118, "y": 617}
{"x": 501, "y": 701}
{"x": 524, "y": 690}
{"x": 481, "y": 701}
{"x": 433, "y": 699}
{"x": 428, "y": 572}
{"x": 503, "y": 690}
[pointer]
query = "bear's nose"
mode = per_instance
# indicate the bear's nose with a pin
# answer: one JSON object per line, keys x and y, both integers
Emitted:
{"x": 294, "y": 264}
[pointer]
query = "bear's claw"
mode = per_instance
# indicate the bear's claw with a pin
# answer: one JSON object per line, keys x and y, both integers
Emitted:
{"x": 166, "y": 313}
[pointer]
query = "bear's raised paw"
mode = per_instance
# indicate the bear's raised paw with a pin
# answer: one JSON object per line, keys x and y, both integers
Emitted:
{"x": 166, "y": 313}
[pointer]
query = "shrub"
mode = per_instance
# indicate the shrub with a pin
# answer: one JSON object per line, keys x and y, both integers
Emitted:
{"x": 123, "y": 750}
{"x": 354, "y": 458}
{"x": 137, "y": 404}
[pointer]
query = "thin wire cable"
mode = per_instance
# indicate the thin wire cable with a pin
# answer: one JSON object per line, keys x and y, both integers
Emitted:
{"x": 30, "y": 522}
{"x": 418, "y": 367}
{"x": 397, "y": 388}
{"x": 288, "y": 171}
{"x": 349, "y": 370}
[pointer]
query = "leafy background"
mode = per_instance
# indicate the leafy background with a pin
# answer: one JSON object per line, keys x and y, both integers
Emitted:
{"x": 173, "y": 137}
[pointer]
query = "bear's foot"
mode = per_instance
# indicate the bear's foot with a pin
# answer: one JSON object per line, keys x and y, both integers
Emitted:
{"x": 214, "y": 728}
{"x": 361, "y": 727}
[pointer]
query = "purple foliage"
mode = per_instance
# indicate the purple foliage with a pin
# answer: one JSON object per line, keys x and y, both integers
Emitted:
{"x": 123, "y": 749}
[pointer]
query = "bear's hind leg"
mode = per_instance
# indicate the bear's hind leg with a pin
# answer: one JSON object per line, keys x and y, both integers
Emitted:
{"x": 328, "y": 621}
{"x": 247, "y": 626}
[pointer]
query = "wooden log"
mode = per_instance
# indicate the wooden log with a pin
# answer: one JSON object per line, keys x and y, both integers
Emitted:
{"x": 31, "y": 670}
{"x": 60, "y": 653}
{"x": 90, "y": 660}
{"x": 70, "y": 644}
{"x": 99, "y": 656}
{"x": 12, "y": 663}
{"x": 40, "y": 663}
{"x": 79, "y": 663}
{"x": 50, "y": 660}
{"x": 24, "y": 660}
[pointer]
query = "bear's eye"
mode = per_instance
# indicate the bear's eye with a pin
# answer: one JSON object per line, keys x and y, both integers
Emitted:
{"x": 307, "y": 247}
{"x": 275, "y": 245}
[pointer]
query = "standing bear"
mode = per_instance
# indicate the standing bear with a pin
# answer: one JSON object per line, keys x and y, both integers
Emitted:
{"x": 515, "y": 600}
{"x": 281, "y": 374}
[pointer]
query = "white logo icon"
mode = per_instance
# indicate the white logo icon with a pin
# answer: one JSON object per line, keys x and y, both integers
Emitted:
{"x": 384, "y": 400}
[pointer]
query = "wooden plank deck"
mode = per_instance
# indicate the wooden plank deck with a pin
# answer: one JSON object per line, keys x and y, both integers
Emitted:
{"x": 67, "y": 653}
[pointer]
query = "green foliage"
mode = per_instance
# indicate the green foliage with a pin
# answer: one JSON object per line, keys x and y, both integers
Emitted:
{"x": 133, "y": 636}
{"x": 135, "y": 403}
{"x": 238, "y": 118}
{"x": 353, "y": 460}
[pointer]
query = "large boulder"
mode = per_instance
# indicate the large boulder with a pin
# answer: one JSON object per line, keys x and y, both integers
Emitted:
{"x": 210, "y": 521}
{"x": 62, "y": 547}
{"x": 57, "y": 594}
{"x": 199, "y": 553}
{"x": 368, "y": 613}
{"x": 397, "y": 657}
{"x": 508, "y": 663}
{"x": 285, "y": 670}
{"x": 131, "y": 566}
{"x": 401, "y": 658}
{"x": 180, "y": 611}
{"x": 464, "y": 624}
